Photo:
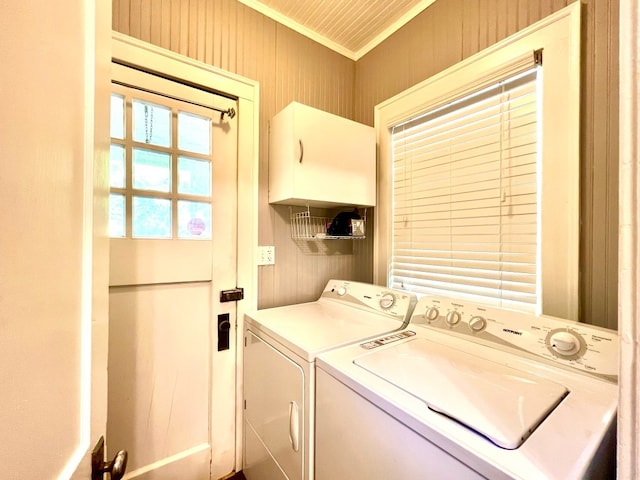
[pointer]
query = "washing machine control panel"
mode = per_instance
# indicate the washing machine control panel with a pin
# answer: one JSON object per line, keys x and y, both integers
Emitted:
{"x": 575, "y": 345}
{"x": 390, "y": 302}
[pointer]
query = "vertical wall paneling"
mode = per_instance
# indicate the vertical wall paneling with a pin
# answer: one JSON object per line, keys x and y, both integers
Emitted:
{"x": 155, "y": 26}
{"x": 470, "y": 36}
{"x": 613, "y": 154}
{"x": 146, "y": 22}
{"x": 289, "y": 66}
{"x": 599, "y": 164}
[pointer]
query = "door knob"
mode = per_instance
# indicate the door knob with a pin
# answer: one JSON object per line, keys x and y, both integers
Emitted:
{"x": 115, "y": 467}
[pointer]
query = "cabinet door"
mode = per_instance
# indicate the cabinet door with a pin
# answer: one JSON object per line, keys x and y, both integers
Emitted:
{"x": 274, "y": 396}
{"x": 320, "y": 159}
{"x": 338, "y": 159}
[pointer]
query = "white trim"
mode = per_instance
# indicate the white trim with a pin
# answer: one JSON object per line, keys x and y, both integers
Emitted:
{"x": 86, "y": 301}
{"x": 133, "y": 52}
{"x": 559, "y": 35}
{"x": 569, "y": 11}
{"x": 130, "y": 51}
{"x": 335, "y": 46}
{"x": 248, "y": 153}
{"x": 90, "y": 148}
{"x": 629, "y": 235}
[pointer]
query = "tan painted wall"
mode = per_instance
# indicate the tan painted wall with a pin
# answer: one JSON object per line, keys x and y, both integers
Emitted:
{"x": 290, "y": 67}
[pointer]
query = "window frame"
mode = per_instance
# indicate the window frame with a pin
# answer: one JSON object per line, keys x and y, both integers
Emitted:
{"x": 559, "y": 37}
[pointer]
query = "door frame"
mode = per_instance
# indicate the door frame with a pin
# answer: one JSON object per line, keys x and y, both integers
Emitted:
{"x": 629, "y": 236}
{"x": 144, "y": 56}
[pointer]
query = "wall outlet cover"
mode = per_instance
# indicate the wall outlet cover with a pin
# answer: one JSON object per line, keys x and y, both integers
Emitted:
{"x": 266, "y": 255}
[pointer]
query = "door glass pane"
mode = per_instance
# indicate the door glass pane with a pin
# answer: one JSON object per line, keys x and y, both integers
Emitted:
{"x": 117, "y": 116}
{"x": 116, "y": 215}
{"x": 116, "y": 166}
{"x": 194, "y": 220}
{"x": 151, "y": 170}
{"x": 151, "y": 217}
{"x": 194, "y": 133}
{"x": 194, "y": 176}
{"x": 151, "y": 123}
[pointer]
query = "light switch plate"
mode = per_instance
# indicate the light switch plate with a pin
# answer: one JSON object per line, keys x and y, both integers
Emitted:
{"x": 266, "y": 255}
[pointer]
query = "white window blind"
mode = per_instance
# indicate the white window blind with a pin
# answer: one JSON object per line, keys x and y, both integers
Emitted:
{"x": 465, "y": 197}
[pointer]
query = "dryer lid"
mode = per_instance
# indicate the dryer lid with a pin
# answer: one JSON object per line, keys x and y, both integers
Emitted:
{"x": 499, "y": 402}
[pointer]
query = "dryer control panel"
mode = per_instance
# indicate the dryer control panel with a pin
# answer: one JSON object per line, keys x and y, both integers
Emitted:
{"x": 587, "y": 348}
{"x": 390, "y": 302}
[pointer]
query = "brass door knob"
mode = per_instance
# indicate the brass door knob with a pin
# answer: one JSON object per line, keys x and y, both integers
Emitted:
{"x": 115, "y": 467}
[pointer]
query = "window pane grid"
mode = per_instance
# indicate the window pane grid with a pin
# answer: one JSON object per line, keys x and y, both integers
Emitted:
{"x": 162, "y": 168}
{"x": 465, "y": 201}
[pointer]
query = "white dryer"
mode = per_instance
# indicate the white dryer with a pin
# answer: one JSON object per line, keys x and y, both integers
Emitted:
{"x": 470, "y": 392}
{"x": 280, "y": 348}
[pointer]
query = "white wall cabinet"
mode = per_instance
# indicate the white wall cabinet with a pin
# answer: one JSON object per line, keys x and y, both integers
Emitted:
{"x": 319, "y": 159}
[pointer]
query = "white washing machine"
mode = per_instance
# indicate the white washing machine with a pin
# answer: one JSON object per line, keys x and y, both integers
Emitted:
{"x": 470, "y": 392}
{"x": 281, "y": 345}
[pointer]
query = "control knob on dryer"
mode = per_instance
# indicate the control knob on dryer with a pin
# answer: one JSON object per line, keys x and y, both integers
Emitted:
{"x": 387, "y": 300}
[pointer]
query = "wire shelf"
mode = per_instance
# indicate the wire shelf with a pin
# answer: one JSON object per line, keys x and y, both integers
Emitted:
{"x": 305, "y": 226}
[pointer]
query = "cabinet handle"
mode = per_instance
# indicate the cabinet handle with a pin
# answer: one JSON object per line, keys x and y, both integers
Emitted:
{"x": 301, "y": 150}
{"x": 293, "y": 426}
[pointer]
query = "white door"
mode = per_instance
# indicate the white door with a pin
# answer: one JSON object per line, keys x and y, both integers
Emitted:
{"x": 53, "y": 246}
{"x": 173, "y": 250}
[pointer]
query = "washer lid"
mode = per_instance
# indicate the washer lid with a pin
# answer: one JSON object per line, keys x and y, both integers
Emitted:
{"x": 502, "y": 403}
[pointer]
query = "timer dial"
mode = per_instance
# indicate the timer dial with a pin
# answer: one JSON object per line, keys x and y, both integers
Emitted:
{"x": 341, "y": 291}
{"x": 565, "y": 343}
{"x": 387, "y": 300}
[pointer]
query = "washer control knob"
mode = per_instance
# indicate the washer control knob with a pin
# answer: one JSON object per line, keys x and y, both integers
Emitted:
{"x": 453, "y": 317}
{"x": 387, "y": 300}
{"x": 342, "y": 291}
{"x": 432, "y": 314}
{"x": 477, "y": 324}
{"x": 565, "y": 343}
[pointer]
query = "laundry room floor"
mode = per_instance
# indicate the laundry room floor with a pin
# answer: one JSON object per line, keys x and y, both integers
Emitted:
{"x": 237, "y": 476}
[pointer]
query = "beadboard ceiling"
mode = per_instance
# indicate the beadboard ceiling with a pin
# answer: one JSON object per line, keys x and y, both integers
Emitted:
{"x": 350, "y": 27}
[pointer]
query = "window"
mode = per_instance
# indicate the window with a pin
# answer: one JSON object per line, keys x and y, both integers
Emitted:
{"x": 160, "y": 167}
{"x": 465, "y": 197}
{"x": 479, "y": 173}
